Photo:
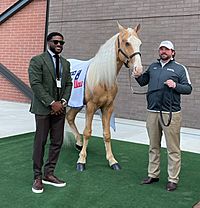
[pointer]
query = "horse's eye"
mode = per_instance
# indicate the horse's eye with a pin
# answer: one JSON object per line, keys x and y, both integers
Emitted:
{"x": 127, "y": 44}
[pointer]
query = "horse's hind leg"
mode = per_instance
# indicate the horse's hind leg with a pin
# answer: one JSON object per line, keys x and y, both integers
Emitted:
{"x": 106, "y": 115}
{"x": 70, "y": 116}
{"x": 90, "y": 110}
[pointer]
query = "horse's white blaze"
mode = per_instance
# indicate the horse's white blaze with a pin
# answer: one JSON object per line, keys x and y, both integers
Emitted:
{"x": 136, "y": 43}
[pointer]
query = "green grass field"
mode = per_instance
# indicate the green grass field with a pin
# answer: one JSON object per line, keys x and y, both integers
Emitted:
{"x": 98, "y": 186}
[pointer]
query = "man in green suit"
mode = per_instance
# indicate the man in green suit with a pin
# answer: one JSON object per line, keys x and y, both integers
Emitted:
{"x": 50, "y": 80}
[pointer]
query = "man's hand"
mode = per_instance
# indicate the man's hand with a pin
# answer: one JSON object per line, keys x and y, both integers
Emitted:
{"x": 136, "y": 73}
{"x": 57, "y": 108}
{"x": 170, "y": 83}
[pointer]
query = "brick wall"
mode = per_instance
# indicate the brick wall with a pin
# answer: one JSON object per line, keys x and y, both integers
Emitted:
{"x": 86, "y": 24}
{"x": 22, "y": 36}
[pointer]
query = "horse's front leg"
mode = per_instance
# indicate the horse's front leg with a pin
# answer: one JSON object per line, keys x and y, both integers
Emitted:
{"x": 106, "y": 115}
{"x": 90, "y": 110}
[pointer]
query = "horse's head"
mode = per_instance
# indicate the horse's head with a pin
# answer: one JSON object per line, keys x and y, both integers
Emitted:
{"x": 128, "y": 48}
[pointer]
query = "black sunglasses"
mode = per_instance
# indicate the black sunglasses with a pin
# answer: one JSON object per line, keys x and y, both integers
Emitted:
{"x": 55, "y": 42}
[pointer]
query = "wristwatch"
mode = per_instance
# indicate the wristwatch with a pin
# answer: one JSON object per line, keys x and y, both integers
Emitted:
{"x": 64, "y": 102}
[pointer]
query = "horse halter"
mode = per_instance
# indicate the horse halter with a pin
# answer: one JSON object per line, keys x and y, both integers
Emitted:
{"x": 128, "y": 58}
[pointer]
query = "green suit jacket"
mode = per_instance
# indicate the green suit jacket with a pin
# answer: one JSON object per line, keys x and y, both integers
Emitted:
{"x": 42, "y": 79}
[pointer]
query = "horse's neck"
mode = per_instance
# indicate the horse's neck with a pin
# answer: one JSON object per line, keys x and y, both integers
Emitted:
{"x": 119, "y": 65}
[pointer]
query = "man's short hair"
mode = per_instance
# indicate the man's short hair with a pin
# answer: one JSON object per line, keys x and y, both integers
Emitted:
{"x": 51, "y": 35}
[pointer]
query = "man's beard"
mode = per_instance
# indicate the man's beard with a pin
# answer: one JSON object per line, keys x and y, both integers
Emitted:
{"x": 53, "y": 49}
{"x": 164, "y": 57}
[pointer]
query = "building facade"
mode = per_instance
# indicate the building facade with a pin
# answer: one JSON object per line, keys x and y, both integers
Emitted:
{"x": 87, "y": 24}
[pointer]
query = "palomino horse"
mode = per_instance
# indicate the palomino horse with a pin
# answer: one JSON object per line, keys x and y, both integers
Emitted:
{"x": 101, "y": 88}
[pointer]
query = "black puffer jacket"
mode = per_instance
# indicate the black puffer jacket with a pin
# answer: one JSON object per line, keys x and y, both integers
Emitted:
{"x": 159, "y": 95}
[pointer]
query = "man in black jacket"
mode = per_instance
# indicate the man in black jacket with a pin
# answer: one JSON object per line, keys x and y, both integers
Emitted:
{"x": 166, "y": 80}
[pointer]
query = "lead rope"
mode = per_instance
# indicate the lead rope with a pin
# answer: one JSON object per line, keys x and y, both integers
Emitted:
{"x": 170, "y": 110}
{"x": 131, "y": 87}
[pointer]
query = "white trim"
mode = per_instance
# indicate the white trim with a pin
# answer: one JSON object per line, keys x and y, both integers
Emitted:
{"x": 59, "y": 185}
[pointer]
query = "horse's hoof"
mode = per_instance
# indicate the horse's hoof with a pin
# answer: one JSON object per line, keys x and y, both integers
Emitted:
{"x": 78, "y": 147}
{"x": 80, "y": 167}
{"x": 115, "y": 166}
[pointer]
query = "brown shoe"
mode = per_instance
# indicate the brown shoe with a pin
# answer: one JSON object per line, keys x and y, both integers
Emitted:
{"x": 149, "y": 180}
{"x": 37, "y": 186}
{"x": 171, "y": 186}
{"x": 196, "y": 205}
{"x": 53, "y": 180}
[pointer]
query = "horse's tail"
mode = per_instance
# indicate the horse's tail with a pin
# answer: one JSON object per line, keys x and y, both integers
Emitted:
{"x": 68, "y": 140}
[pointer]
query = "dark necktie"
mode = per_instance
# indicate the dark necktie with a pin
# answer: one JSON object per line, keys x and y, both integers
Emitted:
{"x": 56, "y": 56}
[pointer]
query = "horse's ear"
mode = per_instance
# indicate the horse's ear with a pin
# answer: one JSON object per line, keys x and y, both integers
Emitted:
{"x": 137, "y": 28}
{"x": 121, "y": 28}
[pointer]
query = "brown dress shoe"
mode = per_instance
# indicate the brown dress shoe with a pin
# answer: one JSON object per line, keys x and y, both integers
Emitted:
{"x": 171, "y": 186}
{"x": 37, "y": 186}
{"x": 53, "y": 180}
{"x": 196, "y": 205}
{"x": 149, "y": 180}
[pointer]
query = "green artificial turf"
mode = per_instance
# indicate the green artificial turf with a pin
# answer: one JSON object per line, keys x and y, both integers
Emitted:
{"x": 98, "y": 186}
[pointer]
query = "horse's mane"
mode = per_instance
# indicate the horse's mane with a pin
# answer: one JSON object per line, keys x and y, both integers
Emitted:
{"x": 103, "y": 67}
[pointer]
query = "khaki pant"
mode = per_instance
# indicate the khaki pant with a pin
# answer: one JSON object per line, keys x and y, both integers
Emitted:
{"x": 155, "y": 129}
